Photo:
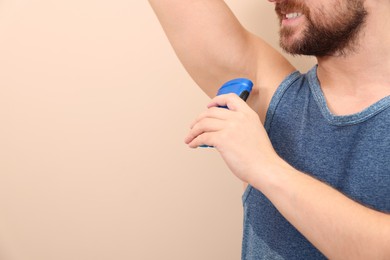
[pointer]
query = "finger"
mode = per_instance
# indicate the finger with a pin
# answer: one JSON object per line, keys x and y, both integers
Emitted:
{"x": 203, "y": 126}
{"x": 202, "y": 139}
{"x": 231, "y": 101}
{"x": 213, "y": 112}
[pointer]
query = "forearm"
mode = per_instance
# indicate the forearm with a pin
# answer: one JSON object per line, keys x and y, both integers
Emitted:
{"x": 335, "y": 224}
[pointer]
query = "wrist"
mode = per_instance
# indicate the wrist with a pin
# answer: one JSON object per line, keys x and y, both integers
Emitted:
{"x": 270, "y": 177}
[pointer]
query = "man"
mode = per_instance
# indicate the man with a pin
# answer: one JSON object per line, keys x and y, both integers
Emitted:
{"x": 319, "y": 169}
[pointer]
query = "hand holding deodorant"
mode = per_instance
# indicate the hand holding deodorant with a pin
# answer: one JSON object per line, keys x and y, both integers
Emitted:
{"x": 241, "y": 86}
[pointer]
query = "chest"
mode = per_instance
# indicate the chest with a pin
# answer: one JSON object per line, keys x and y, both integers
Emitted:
{"x": 354, "y": 159}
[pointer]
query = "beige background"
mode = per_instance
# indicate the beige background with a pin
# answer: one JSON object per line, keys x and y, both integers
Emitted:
{"x": 94, "y": 107}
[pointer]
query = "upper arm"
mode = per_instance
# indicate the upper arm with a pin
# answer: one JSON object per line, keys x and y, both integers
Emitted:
{"x": 214, "y": 48}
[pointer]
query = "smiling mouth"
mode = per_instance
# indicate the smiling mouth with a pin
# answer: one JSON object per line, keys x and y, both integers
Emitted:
{"x": 289, "y": 10}
{"x": 291, "y": 15}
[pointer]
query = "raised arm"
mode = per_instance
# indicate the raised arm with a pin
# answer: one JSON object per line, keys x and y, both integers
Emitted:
{"x": 214, "y": 48}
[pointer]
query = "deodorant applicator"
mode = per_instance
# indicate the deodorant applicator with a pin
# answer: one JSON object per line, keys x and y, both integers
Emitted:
{"x": 240, "y": 86}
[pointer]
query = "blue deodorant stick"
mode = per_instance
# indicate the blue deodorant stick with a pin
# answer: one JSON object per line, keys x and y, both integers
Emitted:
{"x": 241, "y": 86}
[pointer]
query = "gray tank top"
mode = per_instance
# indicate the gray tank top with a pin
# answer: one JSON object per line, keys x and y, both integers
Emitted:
{"x": 351, "y": 153}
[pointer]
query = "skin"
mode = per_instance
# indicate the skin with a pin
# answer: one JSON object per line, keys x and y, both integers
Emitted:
{"x": 358, "y": 76}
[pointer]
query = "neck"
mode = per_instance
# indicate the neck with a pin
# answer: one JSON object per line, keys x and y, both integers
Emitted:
{"x": 364, "y": 72}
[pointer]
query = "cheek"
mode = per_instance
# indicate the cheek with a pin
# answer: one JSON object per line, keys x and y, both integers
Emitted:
{"x": 320, "y": 19}
{"x": 330, "y": 14}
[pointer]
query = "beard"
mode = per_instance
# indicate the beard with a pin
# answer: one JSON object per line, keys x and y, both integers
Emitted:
{"x": 333, "y": 34}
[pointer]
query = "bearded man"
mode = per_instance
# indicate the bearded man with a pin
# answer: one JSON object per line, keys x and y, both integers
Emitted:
{"x": 315, "y": 147}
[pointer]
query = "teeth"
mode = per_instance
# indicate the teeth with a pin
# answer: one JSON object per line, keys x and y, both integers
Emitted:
{"x": 293, "y": 15}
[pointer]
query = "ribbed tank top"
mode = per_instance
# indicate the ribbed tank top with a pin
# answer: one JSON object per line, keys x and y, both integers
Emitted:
{"x": 350, "y": 153}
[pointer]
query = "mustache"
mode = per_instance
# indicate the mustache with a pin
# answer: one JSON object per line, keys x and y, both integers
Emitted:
{"x": 286, "y": 7}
